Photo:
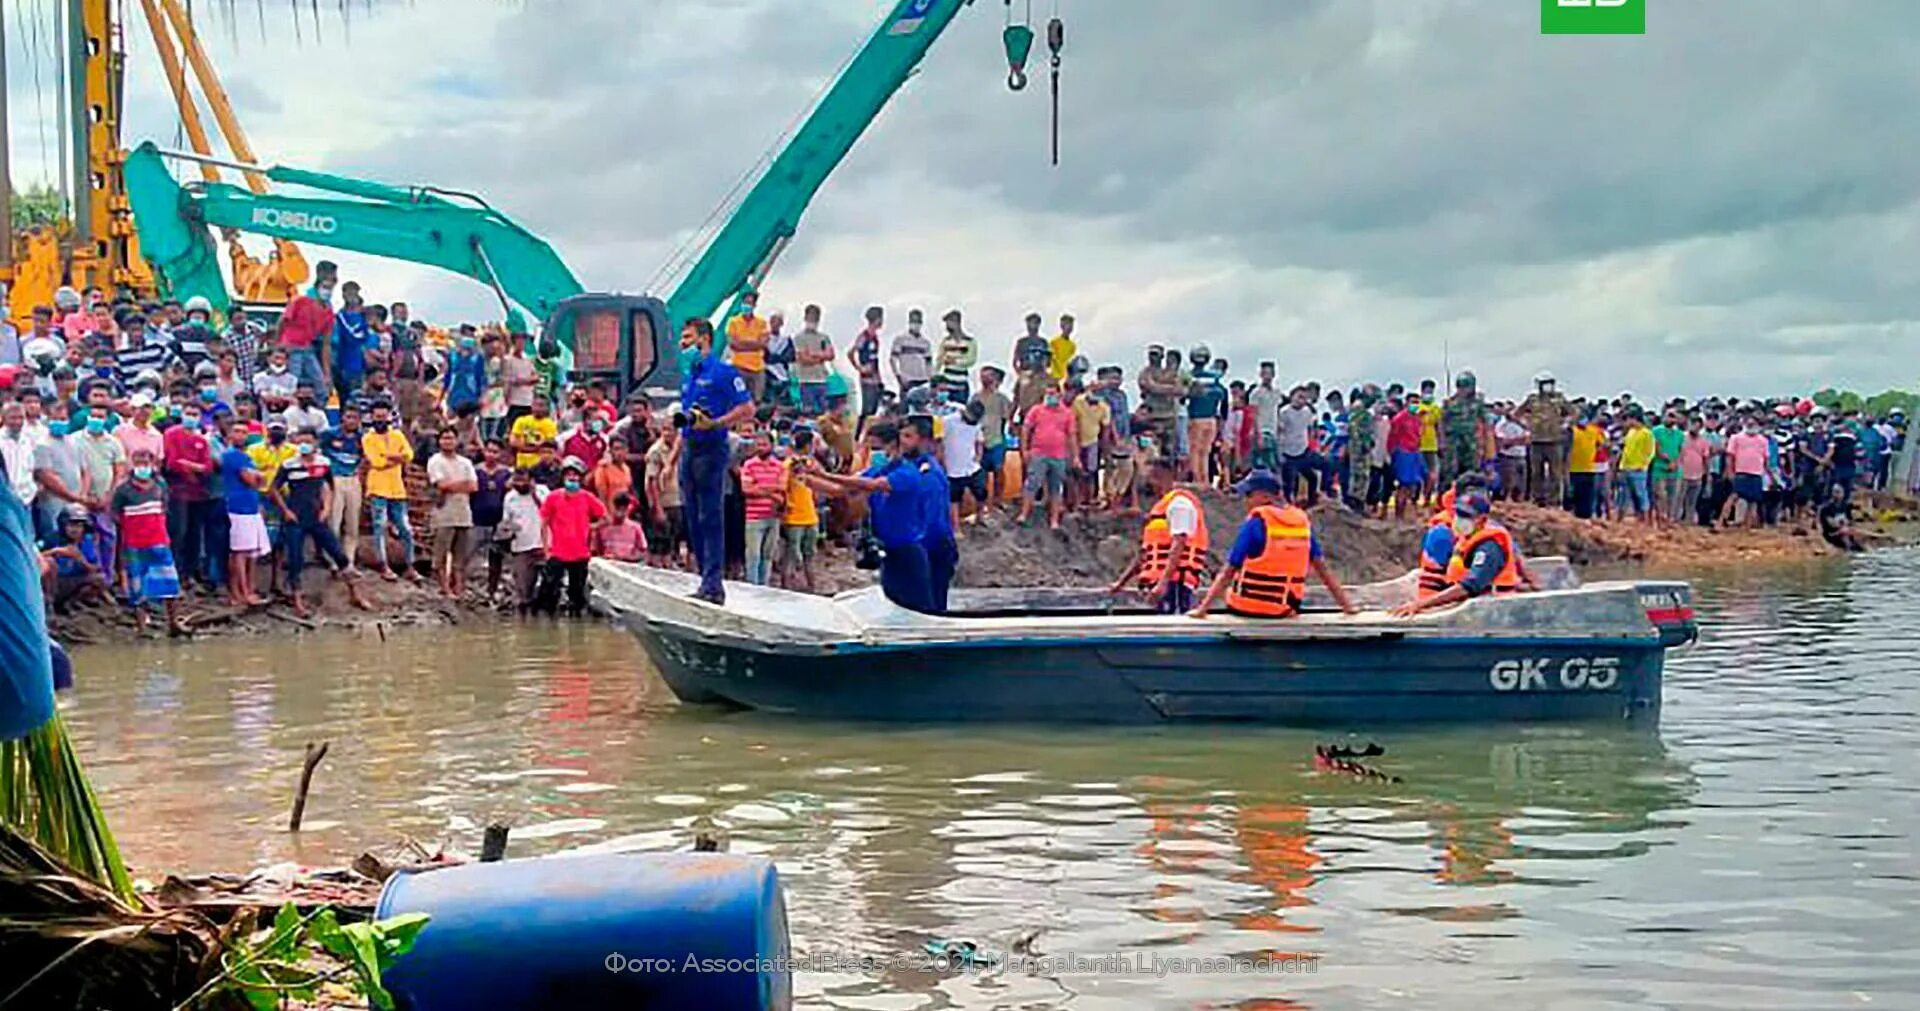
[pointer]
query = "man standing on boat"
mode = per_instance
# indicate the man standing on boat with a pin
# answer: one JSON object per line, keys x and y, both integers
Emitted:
{"x": 713, "y": 399}
{"x": 894, "y": 486}
{"x": 1484, "y": 558}
{"x": 1173, "y": 552}
{"x": 1266, "y": 572}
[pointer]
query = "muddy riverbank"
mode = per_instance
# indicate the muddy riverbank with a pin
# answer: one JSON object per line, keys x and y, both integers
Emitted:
{"x": 1087, "y": 551}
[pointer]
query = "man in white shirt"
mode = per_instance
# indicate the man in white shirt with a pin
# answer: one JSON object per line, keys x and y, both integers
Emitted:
{"x": 1265, "y": 399}
{"x": 16, "y": 449}
{"x": 304, "y": 415}
{"x": 912, "y": 355}
{"x": 520, "y": 528}
{"x": 1511, "y": 436}
{"x": 962, "y": 443}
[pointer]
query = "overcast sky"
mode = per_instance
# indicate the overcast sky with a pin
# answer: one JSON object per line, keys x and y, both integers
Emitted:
{"x": 1728, "y": 204}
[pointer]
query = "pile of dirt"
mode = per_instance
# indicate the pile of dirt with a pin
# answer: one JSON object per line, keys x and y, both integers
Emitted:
{"x": 1092, "y": 550}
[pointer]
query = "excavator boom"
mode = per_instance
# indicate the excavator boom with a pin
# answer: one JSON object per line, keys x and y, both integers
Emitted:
{"x": 417, "y": 224}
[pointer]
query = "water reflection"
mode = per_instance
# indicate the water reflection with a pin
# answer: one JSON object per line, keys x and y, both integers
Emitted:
{"x": 1738, "y": 857}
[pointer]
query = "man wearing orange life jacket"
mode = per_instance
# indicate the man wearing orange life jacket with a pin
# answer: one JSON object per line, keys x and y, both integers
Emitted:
{"x": 1436, "y": 547}
{"x": 1266, "y": 572}
{"x": 1173, "y": 552}
{"x": 1484, "y": 561}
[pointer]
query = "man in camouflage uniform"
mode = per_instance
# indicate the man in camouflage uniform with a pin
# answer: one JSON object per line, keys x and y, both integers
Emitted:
{"x": 1546, "y": 414}
{"x": 1462, "y": 420}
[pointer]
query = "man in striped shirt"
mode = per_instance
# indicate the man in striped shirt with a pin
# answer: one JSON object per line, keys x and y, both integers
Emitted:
{"x": 143, "y": 353}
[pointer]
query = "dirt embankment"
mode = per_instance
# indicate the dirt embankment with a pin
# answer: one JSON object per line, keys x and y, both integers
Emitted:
{"x": 1092, "y": 550}
{"x": 1088, "y": 551}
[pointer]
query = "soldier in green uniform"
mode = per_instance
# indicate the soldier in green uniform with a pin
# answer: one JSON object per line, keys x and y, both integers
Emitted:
{"x": 1547, "y": 414}
{"x": 1462, "y": 420}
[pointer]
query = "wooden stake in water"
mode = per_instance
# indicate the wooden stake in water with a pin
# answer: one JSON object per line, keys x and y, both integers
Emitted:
{"x": 315, "y": 752}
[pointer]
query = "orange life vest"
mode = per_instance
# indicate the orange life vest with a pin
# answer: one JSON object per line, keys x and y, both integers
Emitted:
{"x": 1508, "y": 579}
{"x": 1433, "y": 575}
{"x": 1271, "y": 583}
{"x": 1156, "y": 543}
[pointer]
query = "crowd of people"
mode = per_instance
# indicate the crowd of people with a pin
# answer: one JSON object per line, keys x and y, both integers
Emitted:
{"x": 167, "y": 449}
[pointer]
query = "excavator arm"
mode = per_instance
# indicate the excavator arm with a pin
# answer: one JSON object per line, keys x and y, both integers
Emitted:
{"x": 767, "y": 217}
{"x": 417, "y": 224}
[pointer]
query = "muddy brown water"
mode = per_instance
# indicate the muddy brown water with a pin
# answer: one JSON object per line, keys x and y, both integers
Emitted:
{"x": 1757, "y": 851}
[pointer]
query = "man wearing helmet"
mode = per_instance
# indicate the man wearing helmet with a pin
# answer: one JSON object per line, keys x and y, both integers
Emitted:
{"x": 1546, "y": 415}
{"x": 1463, "y": 424}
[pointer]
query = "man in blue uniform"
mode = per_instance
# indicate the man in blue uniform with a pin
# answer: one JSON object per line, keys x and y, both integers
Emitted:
{"x": 943, "y": 554}
{"x": 895, "y": 488}
{"x": 713, "y": 399}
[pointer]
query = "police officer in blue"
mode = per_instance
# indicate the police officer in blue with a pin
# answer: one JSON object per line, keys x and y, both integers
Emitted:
{"x": 943, "y": 553}
{"x": 895, "y": 490}
{"x": 712, "y": 400}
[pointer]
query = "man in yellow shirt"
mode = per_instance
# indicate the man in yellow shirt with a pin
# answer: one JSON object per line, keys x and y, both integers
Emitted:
{"x": 800, "y": 522}
{"x": 747, "y": 339}
{"x": 1062, "y": 350}
{"x": 1093, "y": 425}
{"x": 1428, "y": 410}
{"x": 1583, "y": 474}
{"x": 387, "y": 454}
{"x": 1636, "y": 456}
{"x": 531, "y": 431}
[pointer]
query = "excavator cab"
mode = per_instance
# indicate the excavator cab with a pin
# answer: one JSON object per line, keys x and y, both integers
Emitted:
{"x": 621, "y": 340}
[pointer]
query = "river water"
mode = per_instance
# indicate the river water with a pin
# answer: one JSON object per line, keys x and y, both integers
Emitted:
{"x": 1756, "y": 852}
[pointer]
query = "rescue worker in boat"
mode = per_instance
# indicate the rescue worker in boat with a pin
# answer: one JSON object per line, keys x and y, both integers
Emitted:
{"x": 1436, "y": 546}
{"x": 894, "y": 486}
{"x": 1266, "y": 572}
{"x": 1172, "y": 561}
{"x": 1484, "y": 560}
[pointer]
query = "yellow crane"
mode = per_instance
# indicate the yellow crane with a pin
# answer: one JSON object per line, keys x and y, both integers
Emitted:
{"x": 96, "y": 245}
{"x": 278, "y": 278}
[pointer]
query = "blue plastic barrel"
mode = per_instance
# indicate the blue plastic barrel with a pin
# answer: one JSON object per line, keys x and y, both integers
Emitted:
{"x": 705, "y": 931}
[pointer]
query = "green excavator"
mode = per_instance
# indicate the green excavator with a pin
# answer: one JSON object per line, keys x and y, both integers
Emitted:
{"x": 630, "y": 340}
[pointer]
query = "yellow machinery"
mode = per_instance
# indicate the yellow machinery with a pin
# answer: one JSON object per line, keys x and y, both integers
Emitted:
{"x": 279, "y": 277}
{"x": 96, "y": 246}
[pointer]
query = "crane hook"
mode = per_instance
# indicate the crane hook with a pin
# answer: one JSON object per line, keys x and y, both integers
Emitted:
{"x": 1018, "y": 40}
{"x": 1056, "y": 40}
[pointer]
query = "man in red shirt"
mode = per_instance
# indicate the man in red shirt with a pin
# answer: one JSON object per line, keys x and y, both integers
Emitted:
{"x": 1046, "y": 445}
{"x": 189, "y": 462}
{"x": 147, "y": 573}
{"x": 567, "y": 519}
{"x": 1403, "y": 451}
{"x": 306, "y": 329}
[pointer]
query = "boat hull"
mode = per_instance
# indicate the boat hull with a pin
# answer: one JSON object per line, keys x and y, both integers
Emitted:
{"x": 1297, "y": 683}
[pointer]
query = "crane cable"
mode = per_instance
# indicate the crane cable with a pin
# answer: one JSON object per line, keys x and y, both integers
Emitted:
{"x": 35, "y": 47}
{"x": 680, "y": 260}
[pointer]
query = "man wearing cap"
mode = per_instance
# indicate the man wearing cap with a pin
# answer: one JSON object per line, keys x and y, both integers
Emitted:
{"x": 567, "y": 519}
{"x": 1160, "y": 393}
{"x": 713, "y": 399}
{"x": 1463, "y": 425}
{"x": 1484, "y": 558}
{"x": 1266, "y": 571}
{"x": 1546, "y": 414}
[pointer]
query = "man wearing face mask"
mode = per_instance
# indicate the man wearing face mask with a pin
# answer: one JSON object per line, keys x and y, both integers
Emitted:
{"x": 189, "y": 460}
{"x": 912, "y": 355}
{"x": 567, "y": 519}
{"x": 306, "y": 328}
{"x": 352, "y": 337}
{"x": 305, "y": 415}
{"x": 466, "y": 380}
{"x": 387, "y": 453}
{"x": 1484, "y": 561}
{"x": 713, "y": 399}
{"x": 148, "y": 573}
{"x": 587, "y": 442}
{"x": 1047, "y": 445}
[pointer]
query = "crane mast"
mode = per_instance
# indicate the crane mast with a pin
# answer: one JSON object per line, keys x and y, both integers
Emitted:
{"x": 768, "y": 216}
